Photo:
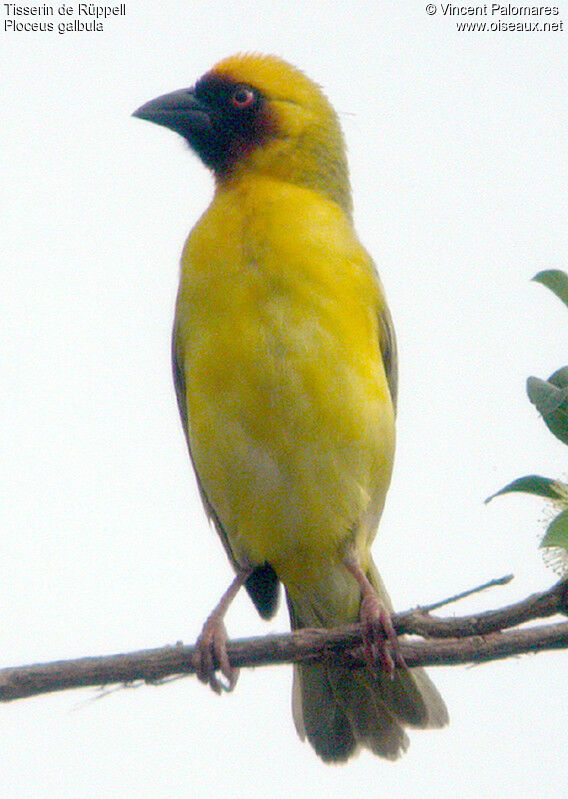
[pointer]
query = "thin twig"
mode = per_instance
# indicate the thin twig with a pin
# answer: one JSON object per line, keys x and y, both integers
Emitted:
{"x": 537, "y": 606}
{"x": 463, "y": 594}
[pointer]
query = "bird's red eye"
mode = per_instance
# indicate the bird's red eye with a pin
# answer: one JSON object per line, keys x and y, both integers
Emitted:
{"x": 243, "y": 97}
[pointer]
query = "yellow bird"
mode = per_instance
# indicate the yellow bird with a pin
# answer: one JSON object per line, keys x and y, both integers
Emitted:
{"x": 285, "y": 371}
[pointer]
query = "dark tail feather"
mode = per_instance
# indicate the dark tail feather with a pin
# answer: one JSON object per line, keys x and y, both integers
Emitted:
{"x": 340, "y": 710}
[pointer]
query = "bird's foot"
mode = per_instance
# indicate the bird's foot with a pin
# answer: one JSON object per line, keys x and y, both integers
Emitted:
{"x": 380, "y": 643}
{"x": 211, "y": 653}
{"x": 211, "y": 646}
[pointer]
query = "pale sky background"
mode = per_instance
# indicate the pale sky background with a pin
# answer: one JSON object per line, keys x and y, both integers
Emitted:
{"x": 458, "y": 153}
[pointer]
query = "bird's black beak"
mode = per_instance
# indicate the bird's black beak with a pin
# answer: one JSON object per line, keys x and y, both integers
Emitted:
{"x": 180, "y": 111}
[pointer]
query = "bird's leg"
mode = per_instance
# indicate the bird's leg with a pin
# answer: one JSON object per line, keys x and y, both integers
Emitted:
{"x": 211, "y": 645}
{"x": 379, "y": 636}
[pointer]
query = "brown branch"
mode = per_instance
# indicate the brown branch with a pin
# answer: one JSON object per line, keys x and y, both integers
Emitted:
{"x": 537, "y": 606}
{"x": 470, "y": 639}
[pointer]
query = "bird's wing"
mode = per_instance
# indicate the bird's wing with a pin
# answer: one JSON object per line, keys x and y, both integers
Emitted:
{"x": 179, "y": 381}
{"x": 262, "y": 585}
{"x": 387, "y": 345}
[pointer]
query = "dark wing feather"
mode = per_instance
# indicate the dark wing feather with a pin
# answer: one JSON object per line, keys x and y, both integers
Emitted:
{"x": 387, "y": 344}
{"x": 262, "y": 585}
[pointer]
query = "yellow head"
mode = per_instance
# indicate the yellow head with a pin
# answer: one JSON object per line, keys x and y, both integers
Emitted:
{"x": 258, "y": 114}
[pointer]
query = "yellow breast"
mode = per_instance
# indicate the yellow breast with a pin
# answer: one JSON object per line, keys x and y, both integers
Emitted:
{"x": 291, "y": 424}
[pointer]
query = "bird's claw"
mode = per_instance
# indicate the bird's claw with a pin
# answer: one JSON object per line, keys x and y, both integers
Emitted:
{"x": 211, "y": 653}
{"x": 380, "y": 642}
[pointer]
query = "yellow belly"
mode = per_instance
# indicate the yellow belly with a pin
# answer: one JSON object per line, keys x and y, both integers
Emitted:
{"x": 291, "y": 424}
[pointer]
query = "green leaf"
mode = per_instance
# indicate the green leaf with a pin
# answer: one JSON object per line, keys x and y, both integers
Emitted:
{"x": 557, "y": 532}
{"x": 559, "y": 378}
{"x": 551, "y": 400}
{"x": 534, "y": 484}
{"x": 556, "y": 281}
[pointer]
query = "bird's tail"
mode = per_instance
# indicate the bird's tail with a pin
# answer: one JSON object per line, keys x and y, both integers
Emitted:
{"x": 340, "y": 710}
